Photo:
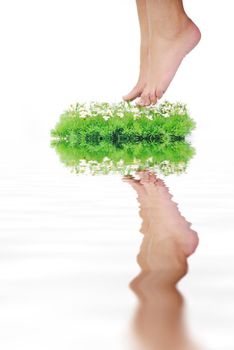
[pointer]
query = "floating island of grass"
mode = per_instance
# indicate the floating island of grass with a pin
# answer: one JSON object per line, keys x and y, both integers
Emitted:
{"x": 102, "y": 138}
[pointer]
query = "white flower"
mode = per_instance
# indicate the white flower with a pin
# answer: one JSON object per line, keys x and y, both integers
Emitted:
{"x": 135, "y": 110}
{"x": 149, "y": 117}
{"x": 83, "y": 114}
{"x": 120, "y": 114}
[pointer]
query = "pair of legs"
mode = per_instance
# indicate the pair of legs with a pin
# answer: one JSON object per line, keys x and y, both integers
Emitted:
{"x": 162, "y": 222}
{"x": 167, "y": 35}
{"x": 168, "y": 240}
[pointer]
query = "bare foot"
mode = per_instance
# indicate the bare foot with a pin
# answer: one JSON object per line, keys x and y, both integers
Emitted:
{"x": 141, "y": 83}
{"x": 166, "y": 53}
{"x": 166, "y": 219}
{"x": 141, "y": 196}
{"x": 162, "y": 220}
{"x": 159, "y": 323}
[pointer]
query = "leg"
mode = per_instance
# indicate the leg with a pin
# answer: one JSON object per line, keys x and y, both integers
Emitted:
{"x": 162, "y": 220}
{"x": 172, "y": 35}
{"x": 167, "y": 242}
{"x": 144, "y": 48}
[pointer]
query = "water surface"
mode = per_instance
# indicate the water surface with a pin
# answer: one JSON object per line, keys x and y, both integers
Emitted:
{"x": 68, "y": 254}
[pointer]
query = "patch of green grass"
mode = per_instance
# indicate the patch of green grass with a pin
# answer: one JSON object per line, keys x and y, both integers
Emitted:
{"x": 102, "y": 138}
{"x": 121, "y": 123}
{"x": 104, "y": 157}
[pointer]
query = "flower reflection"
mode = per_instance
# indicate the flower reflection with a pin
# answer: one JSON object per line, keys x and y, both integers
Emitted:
{"x": 125, "y": 158}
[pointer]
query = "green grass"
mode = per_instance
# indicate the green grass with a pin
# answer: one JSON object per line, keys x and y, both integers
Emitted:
{"x": 102, "y": 138}
{"x": 123, "y": 123}
{"x": 104, "y": 158}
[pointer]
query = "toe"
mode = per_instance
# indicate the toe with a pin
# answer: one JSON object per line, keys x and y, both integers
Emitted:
{"x": 159, "y": 92}
{"x": 152, "y": 177}
{"x": 144, "y": 176}
{"x": 145, "y": 99}
{"x": 136, "y": 92}
{"x": 153, "y": 98}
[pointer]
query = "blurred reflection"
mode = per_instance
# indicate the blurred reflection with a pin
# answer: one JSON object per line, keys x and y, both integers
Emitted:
{"x": 168, "y": 239}
{"x": 125, "y": 158}
{"x": 167, "y": 242}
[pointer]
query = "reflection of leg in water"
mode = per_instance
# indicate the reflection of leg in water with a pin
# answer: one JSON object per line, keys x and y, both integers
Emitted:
{"x": 161, "y": 217}
{"x": 158, "y": 323}
{"x": 168, "y": 241}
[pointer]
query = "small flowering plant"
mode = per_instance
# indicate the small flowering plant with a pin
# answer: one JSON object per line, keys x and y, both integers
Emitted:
{"x": 103, "y": 138}
{"x": 123, "y": 122}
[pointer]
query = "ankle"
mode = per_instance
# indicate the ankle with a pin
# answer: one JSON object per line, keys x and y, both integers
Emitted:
{"x": 172, "y": 29}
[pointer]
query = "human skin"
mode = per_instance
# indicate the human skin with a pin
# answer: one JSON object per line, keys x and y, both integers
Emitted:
{"x": 168, "y": 240}
{"x": 167, "y": 36}
{"x": 144, "y": 51}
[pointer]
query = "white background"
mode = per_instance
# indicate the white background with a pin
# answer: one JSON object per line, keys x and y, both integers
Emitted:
{"x": 52, "y": 255}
